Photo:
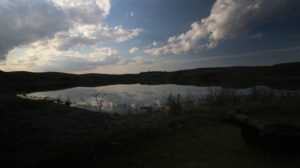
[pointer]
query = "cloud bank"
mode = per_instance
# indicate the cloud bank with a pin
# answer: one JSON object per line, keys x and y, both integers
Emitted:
{"x": 59, "y": 24}
{"x": 65, "y": 61}
{"x": 228, "y": 19}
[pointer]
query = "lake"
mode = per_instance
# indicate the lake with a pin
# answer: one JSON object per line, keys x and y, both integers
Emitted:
{"x": 122, "y": 99}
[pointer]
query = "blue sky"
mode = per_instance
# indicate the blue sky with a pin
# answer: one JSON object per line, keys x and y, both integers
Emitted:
{"x": 131, "y": 36}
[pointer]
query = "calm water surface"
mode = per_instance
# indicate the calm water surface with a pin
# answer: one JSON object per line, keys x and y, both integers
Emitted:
{"x": 125, "y": 98}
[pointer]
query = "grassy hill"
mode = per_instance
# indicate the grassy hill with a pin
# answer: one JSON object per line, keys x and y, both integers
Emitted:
{"x": 285, "y": 76}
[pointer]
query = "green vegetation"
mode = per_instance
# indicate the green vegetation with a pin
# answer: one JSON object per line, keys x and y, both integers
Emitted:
{"x": 188, "y": 132}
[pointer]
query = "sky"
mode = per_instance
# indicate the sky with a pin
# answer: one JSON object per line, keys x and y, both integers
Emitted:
{"x": 132, "y": 36}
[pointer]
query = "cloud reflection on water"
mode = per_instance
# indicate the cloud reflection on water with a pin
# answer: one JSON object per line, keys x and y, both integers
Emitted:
{"x": 126, "y": 98}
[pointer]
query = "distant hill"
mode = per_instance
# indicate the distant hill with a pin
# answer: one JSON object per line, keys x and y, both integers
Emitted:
{"x": 286, "y": 76}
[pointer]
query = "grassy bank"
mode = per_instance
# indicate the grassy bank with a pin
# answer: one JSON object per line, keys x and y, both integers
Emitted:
{"x": 188, "y": 132}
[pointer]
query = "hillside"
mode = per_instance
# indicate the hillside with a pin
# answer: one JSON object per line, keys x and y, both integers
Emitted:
{"x": 285, "y": 76}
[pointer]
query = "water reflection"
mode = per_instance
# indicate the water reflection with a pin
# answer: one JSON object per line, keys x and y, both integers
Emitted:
{"x": 124, "y": 98}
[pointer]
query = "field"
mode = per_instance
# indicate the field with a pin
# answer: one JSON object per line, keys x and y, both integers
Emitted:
{"x": 188, "y": 132}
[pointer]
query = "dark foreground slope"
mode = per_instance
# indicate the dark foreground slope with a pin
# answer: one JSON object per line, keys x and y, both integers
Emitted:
{"x": 185, "y": 133}
{"x": 285, "y": 76}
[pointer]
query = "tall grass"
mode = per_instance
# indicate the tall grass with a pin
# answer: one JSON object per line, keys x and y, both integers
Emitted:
{"x": 230, "y": 98}
{"x": 99, "y": 99}
{"x": 221, "y": 97}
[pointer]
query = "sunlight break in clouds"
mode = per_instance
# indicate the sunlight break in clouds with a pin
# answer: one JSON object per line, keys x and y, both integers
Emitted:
{"x": 62, "y": 61}
{"x": 228, "y": 19}
{"x": 58, "y": 26}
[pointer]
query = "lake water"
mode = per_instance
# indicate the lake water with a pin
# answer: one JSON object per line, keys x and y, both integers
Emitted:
{"x": 124, "y": 98}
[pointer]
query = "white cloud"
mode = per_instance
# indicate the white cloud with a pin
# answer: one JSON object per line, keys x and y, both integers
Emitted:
{"x": 47, "y": 59}
{"x": 84, "y": 11}
{"x": 157, "y": 43}
{"x": 228, "y": 19}
{"x": 61, "y": 24}
{"x": 87, "y": 35}
{"x": 133, "y": 50}
{"x": 140, "y": 61}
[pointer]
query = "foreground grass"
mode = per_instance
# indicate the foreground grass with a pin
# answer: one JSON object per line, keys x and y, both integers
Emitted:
{"x": 189, "y": 133}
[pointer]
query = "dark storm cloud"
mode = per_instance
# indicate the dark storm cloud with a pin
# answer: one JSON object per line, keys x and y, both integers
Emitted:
{"x": 26, "y": 21}
{"x": 79, "y": 22}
